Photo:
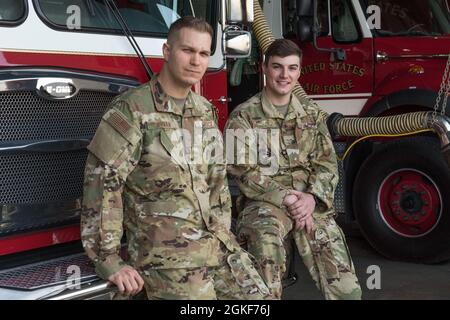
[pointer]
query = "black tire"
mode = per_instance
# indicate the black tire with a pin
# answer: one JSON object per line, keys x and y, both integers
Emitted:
{"x": 385, "y": 221}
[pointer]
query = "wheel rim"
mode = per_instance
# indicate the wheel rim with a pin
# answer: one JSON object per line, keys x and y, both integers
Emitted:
{"x": 410, "y": 203}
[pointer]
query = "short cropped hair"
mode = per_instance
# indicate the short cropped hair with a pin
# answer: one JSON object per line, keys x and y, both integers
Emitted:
{"x": 190, "y": 22}
{"x": 282, "y": 48}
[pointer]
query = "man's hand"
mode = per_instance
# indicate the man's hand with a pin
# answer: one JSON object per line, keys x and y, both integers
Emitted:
{"x": 307, "y": 222}
{"x": 304, "y": 206}
{"x": 127, "y": 280}
{"x": 301, "y": 209}
{"x": 289, "y": 199}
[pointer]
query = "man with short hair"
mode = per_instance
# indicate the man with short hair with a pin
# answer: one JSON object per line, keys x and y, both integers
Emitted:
{"x": 176, "y": 210}
{"x": 296, "y": 196}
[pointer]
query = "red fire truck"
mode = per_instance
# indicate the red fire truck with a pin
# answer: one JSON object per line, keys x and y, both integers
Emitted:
{"x": 62, "y": 61}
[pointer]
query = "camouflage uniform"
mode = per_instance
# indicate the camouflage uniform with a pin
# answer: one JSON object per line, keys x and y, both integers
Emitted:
{"x": 306, "y": 162}
{"x": 176, "y": 213}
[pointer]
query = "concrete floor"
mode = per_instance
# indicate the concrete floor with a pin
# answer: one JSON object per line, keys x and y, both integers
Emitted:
{"x": 398, "y": 280}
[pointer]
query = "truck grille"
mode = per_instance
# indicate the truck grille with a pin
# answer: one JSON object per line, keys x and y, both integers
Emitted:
{"x": 42, "y": 154}
{"x": 26, "y": 116}
{"x": 46, "y": 177}
{"x": 41, "y": 177}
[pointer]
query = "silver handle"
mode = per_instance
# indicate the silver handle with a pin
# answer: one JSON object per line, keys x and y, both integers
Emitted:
{"x": 381, "y": 56}
{"x": 103, "y": 287}
{"x": 222, "y": 100}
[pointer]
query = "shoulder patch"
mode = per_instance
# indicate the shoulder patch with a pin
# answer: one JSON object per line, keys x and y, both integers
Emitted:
{"x": 119, "y": 122}
{"x": 122, "y": 125}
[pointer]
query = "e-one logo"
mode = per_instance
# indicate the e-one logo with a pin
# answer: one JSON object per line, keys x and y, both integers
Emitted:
{"x": 58, "y": 89}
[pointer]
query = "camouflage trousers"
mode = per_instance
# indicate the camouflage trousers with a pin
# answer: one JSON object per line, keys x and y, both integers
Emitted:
{"x": 235, "y": 279}
{"x": 264, "y": 227}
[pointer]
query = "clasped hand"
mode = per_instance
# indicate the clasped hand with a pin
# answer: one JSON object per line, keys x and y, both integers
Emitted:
{"x": 300, "y": 206}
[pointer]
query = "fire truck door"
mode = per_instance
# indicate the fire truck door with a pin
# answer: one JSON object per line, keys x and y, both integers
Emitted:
{"x": 411, "y": 45}
{"x": 339, "y": 86}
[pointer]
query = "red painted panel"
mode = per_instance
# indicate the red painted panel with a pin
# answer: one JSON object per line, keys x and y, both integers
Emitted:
{"x": 395, "y": 75}
{"x": 39, "y": 239}
{"x": 117, "y": 65}
{"x": 322, "y": 74}
{"x": 214, "y": 87}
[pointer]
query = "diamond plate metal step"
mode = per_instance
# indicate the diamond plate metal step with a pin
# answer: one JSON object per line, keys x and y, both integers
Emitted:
{"x": 49, "y": 273}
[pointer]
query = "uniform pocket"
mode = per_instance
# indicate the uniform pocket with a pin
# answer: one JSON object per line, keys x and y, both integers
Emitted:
{"x": 171, "y": 141}
{"x": 305, "y": 137}
{"x": 107, "y": 143}
{"x": 111, "y": 141}
{"x": 225, "y": 198}
{"x": 332, "y": 249}
{"x": 245, "y": 274}
{"x": 225, "y": 208}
